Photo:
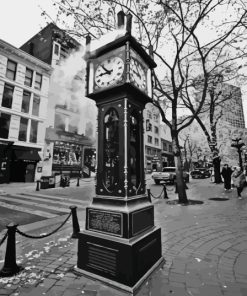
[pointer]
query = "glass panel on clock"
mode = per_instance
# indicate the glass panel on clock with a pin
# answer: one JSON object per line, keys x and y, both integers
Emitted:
{"x": 134, "y": 153}
{"x": 111, "y": 150}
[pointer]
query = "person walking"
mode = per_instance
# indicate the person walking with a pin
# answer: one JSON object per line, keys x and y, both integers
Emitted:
{"x": 238, "y": 179}
{"x": 226, "y": 174}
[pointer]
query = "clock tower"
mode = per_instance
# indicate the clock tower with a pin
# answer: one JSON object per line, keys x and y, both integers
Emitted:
{"x": 120, "y": 242}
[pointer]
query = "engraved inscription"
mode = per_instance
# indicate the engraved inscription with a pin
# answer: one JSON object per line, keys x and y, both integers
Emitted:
{"x": 106, "y": 222}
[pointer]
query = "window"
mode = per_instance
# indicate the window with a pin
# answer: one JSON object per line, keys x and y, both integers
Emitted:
{"x": 7, "y": 96}
{"x": 56, "y": 49}
{"x": 4, "y": 125}
{"x": 170, "y": 148}
{"x": 33, "y": 131}
{"x": 25, "y": 101}
{"x": 59, "y": 122}
{"x": 156, "y": 130}
{"x": 156, "y": 142}
{"x": 38, "y": 81}
{"x": 28, "y": 77}
{"x": 23, "y": 129}
{"x": 150, "y": 139}
{"x": 164, "y": 146}
{"x": 11, "y": 70}
{"x": 149, "y": 151}
{"x": 149, "y": 114}
{"x": 36, "y": 103}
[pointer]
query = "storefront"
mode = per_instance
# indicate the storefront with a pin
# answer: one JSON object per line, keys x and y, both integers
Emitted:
{"x": 67, "y": 152}
{"x": 5, "y": 160}
{"x": 67, "y": 157}
{"x": 23, "y": 164}
{"x": 17, "y": 163}
{"x": 167, "y": 160}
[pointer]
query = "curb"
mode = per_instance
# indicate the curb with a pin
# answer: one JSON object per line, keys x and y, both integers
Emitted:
{"x": 42, "y": 224}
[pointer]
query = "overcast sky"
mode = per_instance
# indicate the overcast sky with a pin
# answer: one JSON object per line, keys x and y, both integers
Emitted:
{"x": 21, "y": 19}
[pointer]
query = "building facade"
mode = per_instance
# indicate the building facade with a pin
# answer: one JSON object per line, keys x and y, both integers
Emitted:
{"x": 24, "y": 86}
{"x": 157, "y": 141}
{"x": 231, "y": 125}
{"x": 70, "y": 134}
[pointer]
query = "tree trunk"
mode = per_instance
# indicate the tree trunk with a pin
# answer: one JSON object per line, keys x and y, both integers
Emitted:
{"x": 182, "y": 196}
{"x": 180, "y": 183}
{"x": 217, "y": 176}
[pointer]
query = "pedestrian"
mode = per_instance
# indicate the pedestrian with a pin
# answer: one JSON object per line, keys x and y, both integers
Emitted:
{"x": 238, "y": 179}
{"x": 212, "y": 174}
{"x": 226, "y": 174}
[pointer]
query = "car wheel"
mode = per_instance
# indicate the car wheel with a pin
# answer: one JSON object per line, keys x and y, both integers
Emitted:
{"x": 157, "y": 182}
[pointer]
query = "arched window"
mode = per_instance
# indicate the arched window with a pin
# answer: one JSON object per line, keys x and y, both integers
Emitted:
{"x": 111, "y": 150}
{"x": 134, "y": 153}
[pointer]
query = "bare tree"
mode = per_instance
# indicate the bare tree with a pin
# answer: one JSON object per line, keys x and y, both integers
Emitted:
{"x": 189, "y": 38}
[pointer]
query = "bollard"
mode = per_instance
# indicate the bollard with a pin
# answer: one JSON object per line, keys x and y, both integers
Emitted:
{"x": 165, "y": 192}
{"x": 10, "y": 267}
{"x": 76, "y": 227}
{"x": 37, "y": 187}
{"x": 78, "y": 182}
{"x": 149, "y": 194}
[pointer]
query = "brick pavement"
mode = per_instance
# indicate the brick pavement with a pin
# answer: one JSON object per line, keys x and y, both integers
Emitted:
{"x": 205, "y": 248}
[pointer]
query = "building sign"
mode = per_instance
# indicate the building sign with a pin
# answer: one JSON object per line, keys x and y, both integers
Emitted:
{"x": 67, "y": 153}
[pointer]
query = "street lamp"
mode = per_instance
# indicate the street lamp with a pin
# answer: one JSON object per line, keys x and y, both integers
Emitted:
{"x": 238, "y": 144}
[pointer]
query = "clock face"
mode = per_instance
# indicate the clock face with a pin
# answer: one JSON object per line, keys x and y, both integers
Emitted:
{"x": 109, "y": 71}
{"x": 137, "y": 73}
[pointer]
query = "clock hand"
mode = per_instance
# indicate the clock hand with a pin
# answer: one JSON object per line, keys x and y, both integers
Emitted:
{"x": 137, "y": 73}
{"x": 104, "y": 73}
{"x": 106, "y": 70}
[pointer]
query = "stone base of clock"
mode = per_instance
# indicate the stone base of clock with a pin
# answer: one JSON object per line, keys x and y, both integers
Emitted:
{"x": 124, "y": 261}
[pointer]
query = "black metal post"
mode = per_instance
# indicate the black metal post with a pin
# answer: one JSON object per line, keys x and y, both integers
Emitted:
{"x": 76, "y": 227}
{"x": 149, "y": 194}
{"x": 78, "y": 182}
{"x": 165, "y": 192}
{"x": 10, "y": 267}
{"x": 37, "y": 187}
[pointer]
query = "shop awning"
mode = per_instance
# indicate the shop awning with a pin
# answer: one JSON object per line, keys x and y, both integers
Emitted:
{"x": 27, "y": 155}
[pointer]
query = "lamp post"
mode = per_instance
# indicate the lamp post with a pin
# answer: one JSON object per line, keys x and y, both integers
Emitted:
{"x": 238, "y": 144}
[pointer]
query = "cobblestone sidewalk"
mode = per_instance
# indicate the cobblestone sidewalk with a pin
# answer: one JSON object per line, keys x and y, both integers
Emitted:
{"x": 205, "y": 248}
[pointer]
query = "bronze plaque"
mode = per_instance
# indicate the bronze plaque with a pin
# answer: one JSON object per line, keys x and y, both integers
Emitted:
{"x": 106, "y": 222}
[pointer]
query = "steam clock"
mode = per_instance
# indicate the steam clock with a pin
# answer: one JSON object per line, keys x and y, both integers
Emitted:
{"x": 120, "y": 242}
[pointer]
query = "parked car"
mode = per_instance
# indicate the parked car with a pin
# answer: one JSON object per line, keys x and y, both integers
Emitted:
{"x": 168, "y": 175}
{"x": 200, "y": 173}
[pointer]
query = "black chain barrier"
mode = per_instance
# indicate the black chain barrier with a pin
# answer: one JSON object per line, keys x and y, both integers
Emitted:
{"x": 44, "y": 235}
{"x": 10, "y": 267}
{"x": 4, "y": 238}
{"x": 159, "y": 196}
{"x": 164, "y": 190}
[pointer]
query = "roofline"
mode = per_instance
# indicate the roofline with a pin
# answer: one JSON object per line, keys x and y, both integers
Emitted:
{"x": 52, "y": 26}
{"x": 12, "y": 49}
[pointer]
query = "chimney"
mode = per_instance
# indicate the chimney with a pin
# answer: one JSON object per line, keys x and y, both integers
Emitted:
{"x": 129, "y": 23}
{"x": 120, "y": 19}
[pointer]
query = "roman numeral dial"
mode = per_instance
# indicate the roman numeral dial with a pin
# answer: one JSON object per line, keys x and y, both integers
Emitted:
{"x": 109, "y": 72}
{"x": 137, "y": 74}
